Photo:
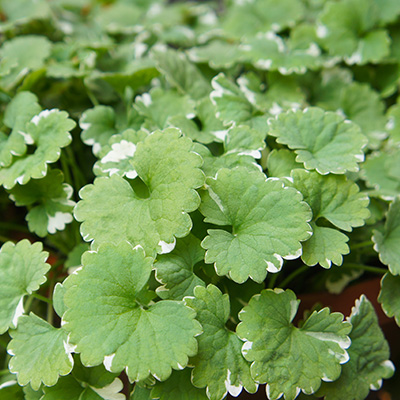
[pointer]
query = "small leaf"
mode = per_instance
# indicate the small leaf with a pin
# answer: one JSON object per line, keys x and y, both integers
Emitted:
{"x": 262, "y": 233}
{"x": 387, "y": 243}
{"x": 108, "y": 325}
{"x": 219, "y": 364}
{"x": 389, "y": 296}
{"x": 48, "y": 132}
{"x": 322, "y": 140}
{"x": 22, "y": 271}
{"x": 169, "y": 168}
{"x": 280, "y": 163}
{"x": 338, "y": 200}
{"x": 51, "y": 199}
{"x": 30, "y": 361}
{"x": 369, "y": 353}
{"x": 177, "y": 386}
{"x": 175, "y": 270}
{"x": 287, "y": 358}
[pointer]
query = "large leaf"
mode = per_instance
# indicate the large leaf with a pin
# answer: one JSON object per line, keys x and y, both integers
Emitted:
{"x": 219, "y": 364}
{"x": 112, "y": 210}
{"x": 22, "y": 271}
{"x": 324, "y": 141}
{"x": 108, "y": 324}
{"x": 287, "y": 358}
{"x": 369, "y": 353}
{"x": 387, "y": 242}
{"x": 48, "y": 131}
{"x": 268, "y": 222}
{"x": 51, "y": 199}
{"x": 337, "y": 200}
{"x": 389, "y": 296}
{"x": 175, "y": 270}
{"x": 40, "y": 352}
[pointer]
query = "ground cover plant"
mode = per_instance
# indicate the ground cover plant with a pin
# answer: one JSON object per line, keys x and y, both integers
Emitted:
{"x": 175, "y": 175}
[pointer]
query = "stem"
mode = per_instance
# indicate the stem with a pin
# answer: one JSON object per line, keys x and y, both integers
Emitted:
{"x": 293, "y": 275}
{"x": 92, "y": 97}
{"x": 13, "y": 227}
{"x": 4, "y": 372}
{"x": 272, "y": 281}
{"x": 367, "y": 268}
{"x": 64, "y": 165}
{"x": 76, "y": 172}
{"x": 360, "y": 245}
{"x": 42, "y": 298}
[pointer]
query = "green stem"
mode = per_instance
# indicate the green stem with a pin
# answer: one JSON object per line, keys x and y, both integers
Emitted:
{"x": 272, "y": 281}
{"x": 92, "y": 97}
{"x": 367, "y": 268}
{"x": 360, "y": 245}
{"x": 65, "y": 169}
{"x": 76, "y": 172}
{"x": 293, "y": 275}
{"x": 4, "y": 372}
{"x": 42, "y": 298}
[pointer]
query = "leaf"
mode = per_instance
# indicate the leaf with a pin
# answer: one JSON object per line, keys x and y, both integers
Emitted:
{"x": 287, "y": 358}
{"x": 389, "y": 296}
{"x": 211, "y": 129}
{"x": 181, "y": 73}
{"x": 280, "y": 163}
{"x": 111, "y": 209}
{"x": 108, "y": 325}
{"x": 9, "y": 389}
{"x": 93, "y": 383}
{"x": 51, "y": 199}
{"x": 159, "y": 105}
{"x": 116, "y": 156}
{"x": 322, "y": 140}
{"x": 338, "y": 200}
{"x": 219, "y": 364}
{"x": 21, "y": 109}
{"x": 262, "y": 233}
{"x": 176, "y": 269}
{"x": 177, "y": 386}
{"x": 387, "y": 243}
{"x": 98, "y": 125}
{"x": 30, "y": 361}
{"x": 48, "y": 132}
{"x": 22, "y": 271}
{"x": 25, "y": 53}
{"x": 369, "y": 353}
{"x": 380, "y": 172}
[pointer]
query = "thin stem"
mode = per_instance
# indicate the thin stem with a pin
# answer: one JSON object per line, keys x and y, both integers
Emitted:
{"x": 272, "y": 281}
{"x": 92, "y": 97}
{"x": 42, "y": 298}
{"x": 360, "y": 245}
{"x": 13, "y": 227}
{"x": 65, "y": 169}
{"x": 77, "y": 173}
{"x": 367, "y": 268}
{"x": 293, "y": 275}
{"x": 4, "y": 372}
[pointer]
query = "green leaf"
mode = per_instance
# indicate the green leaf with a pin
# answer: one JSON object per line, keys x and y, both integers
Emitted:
{"x": 388, "y": 296}
{"x": 169, "y": 168}
{"x": 48, "y": 131}
{"x": 108, "y": 325}
{"x": 22, "y": 271}
{"x": 219, "y": 364}
{"x": 177, "y": 386}
{"x": 280, "y": 163}
{"x": 380, "y": 171}
{"x": 9, "y": 388}
{"x": 369, "y": 353}
{"x": 176, "y": 269}
{"x": 30, "y": 361}
{"x": 262, "y": 234}
{"x": 338, "y": 200}
{"x": 181, "y": 73}
{"x": 116, "y": 156}
{"x": 51, "y": 199}
{"x": 25, "y": 53}
{"x": 387, "y": 242}
{"x": 322, "y": 140}
{"x": 98, "y": 125}
{"x": 211, "y": 129}
{"x": 287, "y": 358}
{"x": 21, "y": 109}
